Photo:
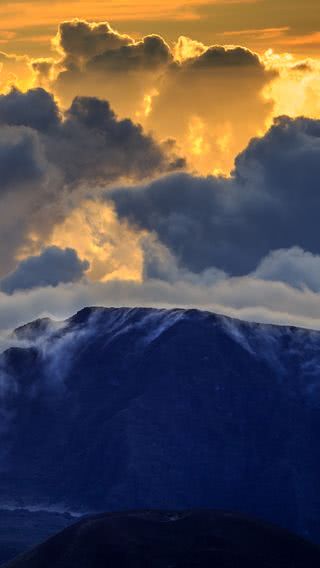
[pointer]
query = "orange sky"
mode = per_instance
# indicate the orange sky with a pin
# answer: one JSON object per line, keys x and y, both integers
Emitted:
{"x": 26, "y": 27}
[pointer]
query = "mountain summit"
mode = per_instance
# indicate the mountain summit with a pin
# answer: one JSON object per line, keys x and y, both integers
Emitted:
{"x": 142, "y": 408}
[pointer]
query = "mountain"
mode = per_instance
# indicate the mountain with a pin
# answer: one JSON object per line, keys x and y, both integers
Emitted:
{"x": 182, "y": 539}
{"x": 118, "y": 409}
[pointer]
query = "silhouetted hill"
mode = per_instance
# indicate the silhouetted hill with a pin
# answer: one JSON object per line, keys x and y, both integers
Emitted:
{"x": 21, "y": 530}
{"x": 171, "y": 539}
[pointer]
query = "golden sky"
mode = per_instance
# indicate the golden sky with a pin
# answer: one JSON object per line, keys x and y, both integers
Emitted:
{"x": 286, "y": 25}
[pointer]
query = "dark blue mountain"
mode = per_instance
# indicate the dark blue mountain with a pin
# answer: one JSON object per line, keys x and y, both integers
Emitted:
{"x": 119, "y": 409}
{"x": 162, "y": 539}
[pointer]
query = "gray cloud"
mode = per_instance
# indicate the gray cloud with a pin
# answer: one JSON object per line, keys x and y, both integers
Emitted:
{"x": 81, "y": 40}
{"x": 149, "y": 54}
{"x": 22, "y": 160}
{"x": 97, "y": 47}
{"x": 47, "y": 157}
{"x": 93, "y": 144}
{"x": 35, "y": 108}
{"x": 88, "y": 140}
{"x": 271, "y": 201}
{"x": 219, "y": 56}
{"x": 294, "y": 266}
{"x": 50, "y": 268}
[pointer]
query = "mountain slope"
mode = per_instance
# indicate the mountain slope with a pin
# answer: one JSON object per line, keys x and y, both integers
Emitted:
{"x": 179, "y": 539}
{"x": 141, "y": 408}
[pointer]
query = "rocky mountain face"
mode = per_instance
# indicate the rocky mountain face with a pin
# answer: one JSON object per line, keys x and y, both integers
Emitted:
{"x": 122, "y": 409}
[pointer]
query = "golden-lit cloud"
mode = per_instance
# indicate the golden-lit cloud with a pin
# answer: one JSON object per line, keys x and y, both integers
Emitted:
{"x": 296, "y": 90}
{"x": 15, "y": 70}
{"x": 218, "y": 90}
{"x": 225, "y": 94}
{"x": 113, "y": 249}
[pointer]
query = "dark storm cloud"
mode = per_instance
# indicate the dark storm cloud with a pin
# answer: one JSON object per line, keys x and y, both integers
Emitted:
{"x": 271, "y": 201}
{"x": 52, "y": 267}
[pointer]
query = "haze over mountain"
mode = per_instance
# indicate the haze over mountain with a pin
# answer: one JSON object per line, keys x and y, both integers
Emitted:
{"x": 142, "y": 408}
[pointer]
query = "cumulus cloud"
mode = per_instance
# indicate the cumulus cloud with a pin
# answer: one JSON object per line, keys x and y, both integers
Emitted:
{"x": 219, "y": 96}
{"x": 217, "y": 89}
{"x": 49, "y": 159}
{"x": 51, "y": 268}
{"x": 87, "y": 140}
{"x": 81, "y": 40}
{"x": 98, "y": 61}
{"x": 271, "y": 201}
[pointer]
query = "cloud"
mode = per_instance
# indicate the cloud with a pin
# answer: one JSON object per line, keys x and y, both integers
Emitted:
{"x": 246, "y": 298}
{"x": 82, "y": 40}
{"x": 87, "y": 140}
{"x": 217, "y": 89}
{"x": 270, "y": 202}
{"x": 36, "y": 108}
{"x": 14, "y": 70}
{"x": 51, "y": 268}
{"x": 98, "y": 61}
{"x": 27, "y": 183}
{"x": 293, "y": 266}
{"x": 93, "y": 144}
{"x": 219, "y": 96}
{"x": 50, "y": 160}
{"x": 21, "y": 159}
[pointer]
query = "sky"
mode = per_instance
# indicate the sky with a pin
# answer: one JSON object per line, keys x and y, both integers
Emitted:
{"x": 163, "y": 154}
